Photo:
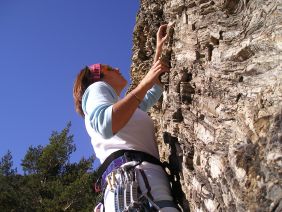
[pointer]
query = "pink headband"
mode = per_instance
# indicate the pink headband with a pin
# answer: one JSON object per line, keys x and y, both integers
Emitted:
{"x": 96, "y": 71}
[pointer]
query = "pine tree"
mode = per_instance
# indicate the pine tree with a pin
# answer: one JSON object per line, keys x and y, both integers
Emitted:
{"x": 50, "y": 181}
{"x": 6, "y": 165}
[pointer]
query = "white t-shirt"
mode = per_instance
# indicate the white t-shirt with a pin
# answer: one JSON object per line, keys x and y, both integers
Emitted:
{"x": 137, "y": 134}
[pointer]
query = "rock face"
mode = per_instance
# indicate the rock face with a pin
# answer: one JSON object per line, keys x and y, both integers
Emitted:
{"x": 219, "y": 122}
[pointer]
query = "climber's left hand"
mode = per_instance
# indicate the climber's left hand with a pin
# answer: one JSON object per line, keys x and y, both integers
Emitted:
{"x": 161, "y": 36}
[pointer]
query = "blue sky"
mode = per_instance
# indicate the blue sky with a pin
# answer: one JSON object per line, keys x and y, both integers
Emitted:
{"x": 43, "y": 45}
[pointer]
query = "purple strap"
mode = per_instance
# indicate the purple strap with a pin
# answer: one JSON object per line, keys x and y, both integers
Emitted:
{"x": 113, "y": 165}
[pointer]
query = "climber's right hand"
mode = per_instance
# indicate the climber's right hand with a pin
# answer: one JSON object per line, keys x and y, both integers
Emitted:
{"x": 152, "y": 77}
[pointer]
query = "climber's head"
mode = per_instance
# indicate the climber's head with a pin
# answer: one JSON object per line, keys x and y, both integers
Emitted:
{"x": 114, "y": 78}
{"x": 94, "y": 73}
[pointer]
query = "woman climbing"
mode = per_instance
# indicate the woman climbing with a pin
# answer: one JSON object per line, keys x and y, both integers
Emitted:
{"x": 122, "y": 135}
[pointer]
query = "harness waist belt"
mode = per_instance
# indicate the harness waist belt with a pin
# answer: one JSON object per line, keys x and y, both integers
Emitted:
{"x": 118, "y": 158}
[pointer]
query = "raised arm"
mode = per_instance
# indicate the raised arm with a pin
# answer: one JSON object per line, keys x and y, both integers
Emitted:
{"x": 124, "y": 109}
{"x": 161, "y": 38}
{"x": 107, "y": 114}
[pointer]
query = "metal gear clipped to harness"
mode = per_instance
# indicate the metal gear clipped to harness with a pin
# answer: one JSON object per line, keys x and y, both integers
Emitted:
{"x": 120, "y": 173}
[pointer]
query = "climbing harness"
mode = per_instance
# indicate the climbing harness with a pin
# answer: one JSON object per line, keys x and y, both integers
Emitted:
{"x": 119, "y": 172}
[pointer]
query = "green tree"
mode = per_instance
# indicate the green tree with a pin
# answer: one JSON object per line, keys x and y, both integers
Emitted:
{"x": 6, "y": 165}
{"x": 30, "y": 162}
{"x": 8, "y": 182}
{"x": 50, "y": 181}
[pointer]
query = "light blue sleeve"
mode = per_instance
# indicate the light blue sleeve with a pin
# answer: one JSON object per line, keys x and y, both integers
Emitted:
{"x": 151, "y": 97}
{"x": 97, "y": 103}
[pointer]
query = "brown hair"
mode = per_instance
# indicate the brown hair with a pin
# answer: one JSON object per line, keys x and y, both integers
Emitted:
{"x": 82, "y": 81}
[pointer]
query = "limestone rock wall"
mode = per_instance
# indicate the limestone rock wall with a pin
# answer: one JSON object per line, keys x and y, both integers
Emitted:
{"x": 219, "y": 122}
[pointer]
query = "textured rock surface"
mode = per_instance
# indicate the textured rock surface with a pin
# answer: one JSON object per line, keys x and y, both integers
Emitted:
{"x": 220, "y": 120}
